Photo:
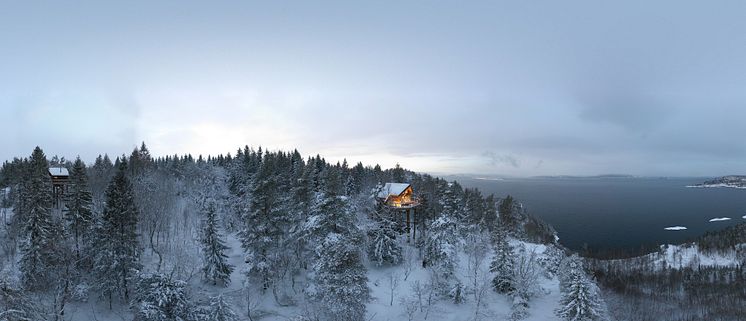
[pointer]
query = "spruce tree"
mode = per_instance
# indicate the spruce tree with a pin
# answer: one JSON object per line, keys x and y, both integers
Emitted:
{"x": 117, "y": 249}
{"x": 340, "y": 281}
{"x": 581, "y": 301}
{"x": 160, "y": 298}
{"x": 215, "y": 268}
{"x": 220, "y": 310}
{"x": 41, "y": 231}
{"x": 79, "y": 203}
{"x": 383, "y": 248}
{"x": 265, "y": 225}
{"x": 502, "y": 264}
{"x": 442, "y": 238}
{"x": 330, "y": 212}
{"x": 299, "y": 209}
{"x": 506, "y": 214}
{"x": 15, "y": 304}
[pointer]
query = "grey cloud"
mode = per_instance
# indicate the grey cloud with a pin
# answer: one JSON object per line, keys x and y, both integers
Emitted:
{"x": 496, "y": 159}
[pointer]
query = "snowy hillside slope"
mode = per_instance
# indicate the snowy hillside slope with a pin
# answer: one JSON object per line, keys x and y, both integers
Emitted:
{"x": 689, "y": 255}
{"x": 682, "y": 256}
{"x": 406, "y": 278}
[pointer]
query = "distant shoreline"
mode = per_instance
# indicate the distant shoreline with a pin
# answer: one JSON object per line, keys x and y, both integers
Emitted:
{"x": 731, "y": 181}
{"x": 716, "y": 186}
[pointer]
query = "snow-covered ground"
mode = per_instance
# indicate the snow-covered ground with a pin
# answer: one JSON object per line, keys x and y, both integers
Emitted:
{"x": 678, "y": 256}
{"x": 381, "y": 308}
{"x": 496, "y": 306}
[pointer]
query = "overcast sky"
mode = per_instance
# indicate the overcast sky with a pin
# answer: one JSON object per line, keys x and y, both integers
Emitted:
{"x": 490, "y": 87}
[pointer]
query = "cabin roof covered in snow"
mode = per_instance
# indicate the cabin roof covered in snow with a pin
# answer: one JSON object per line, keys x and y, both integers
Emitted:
{"x": 58, "y": 171}
{"x": 392, "y": 189}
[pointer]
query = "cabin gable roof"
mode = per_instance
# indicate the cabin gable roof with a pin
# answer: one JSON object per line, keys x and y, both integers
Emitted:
{"x": 58, "y": 171}
{"x": 395, "y": 189}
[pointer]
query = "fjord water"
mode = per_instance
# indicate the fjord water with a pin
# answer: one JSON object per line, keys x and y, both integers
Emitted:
{"x": 621, "y": 212}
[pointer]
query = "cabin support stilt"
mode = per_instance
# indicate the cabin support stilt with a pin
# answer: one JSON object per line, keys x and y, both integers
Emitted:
{"x": 414, "y": 224}
{"x": 408, "y": 224}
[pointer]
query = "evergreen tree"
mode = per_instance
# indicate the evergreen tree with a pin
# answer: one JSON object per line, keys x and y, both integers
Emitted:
{"x": 340, "y": 281}
{"x": 265, "y": 225}
{"x": 502, "y": 264}
{"x": 442, "y": 238}
{"x": 117, "y": 249}
{"x": 15, "y": 304}
{"x": 397, "y": 174}
{"x": 159, "y": 298}
{"x": 490, "y": 219}
{"x": 474, "y": 207}
{"x": 506, "y": 213}
{"x": 99, "y": 175}
{"x": 42, "y": 231}
{"x": 568, "y": 269}
{"x": 220, "y": 310}
{"x": 581, "y": 301}
{"x": 79, "y": 202}
{"x": 441, "y": 244}
{"x": 383, "y": 248}
{"x": 299, "y": 209}
{"x": 451, "y": 203}
{"x": 457, "y": 293}
{"x": 330, "y": 212}
{"x": 215, "y": 268}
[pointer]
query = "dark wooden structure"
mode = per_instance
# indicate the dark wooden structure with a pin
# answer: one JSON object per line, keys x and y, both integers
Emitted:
{"x": 60, "y": 177}
{"x": 400, "y": 198}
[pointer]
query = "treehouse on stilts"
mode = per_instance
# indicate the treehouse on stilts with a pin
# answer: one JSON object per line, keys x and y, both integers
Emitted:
{"x": 60, "y": 177}
{"x": 400, "y": 199}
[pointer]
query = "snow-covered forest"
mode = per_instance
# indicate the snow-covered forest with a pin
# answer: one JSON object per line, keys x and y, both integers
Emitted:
{"x": 271, "y": 235}
{"x": 699, "y": 280}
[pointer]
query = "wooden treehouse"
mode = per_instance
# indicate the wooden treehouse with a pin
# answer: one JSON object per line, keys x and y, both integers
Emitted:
{"x": 400, "y": 198}
{"x": 60, "y": 177}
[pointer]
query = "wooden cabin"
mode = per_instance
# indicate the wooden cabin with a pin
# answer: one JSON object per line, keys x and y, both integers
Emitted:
{"x": 398, "y": 195}
{"x": 401, "y": 199}
{"x": 60, "y": 177}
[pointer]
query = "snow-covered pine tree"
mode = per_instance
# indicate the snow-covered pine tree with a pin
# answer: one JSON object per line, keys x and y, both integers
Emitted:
{"x": 215, "y": 269}
{"x": 507, "y": 215}
{"x": 457, "y": 292}
{"x": 15, "y": 304}
{"x": 79, "y": 208}
{"x": 116, "y": 245}
{"x": 220, "y": 310}
{"x": 265, "y": 225}
{"x": 452, "y": 203}
{"x": 383, "y": 248}
{"x": 340, "y": 281}
{"x": 41, "y": 230}
{"x": 442, "y": 240}
{"x": 299, "y": 209}
{"x": 490, "y": 218}
{"x": 503, "y": 263}
{"x": 330, "y": 212}
{"x": 581, "y": 300}
{"x": 568, "y": 268}
{"x": 441, "y": 245}
{"x": 159, "y": 298}
{"x": 474, "y": 208}
{"x": 99, "y": 175}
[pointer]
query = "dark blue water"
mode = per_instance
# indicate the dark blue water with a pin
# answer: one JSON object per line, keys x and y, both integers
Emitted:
{"x": 607, "y": 213}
